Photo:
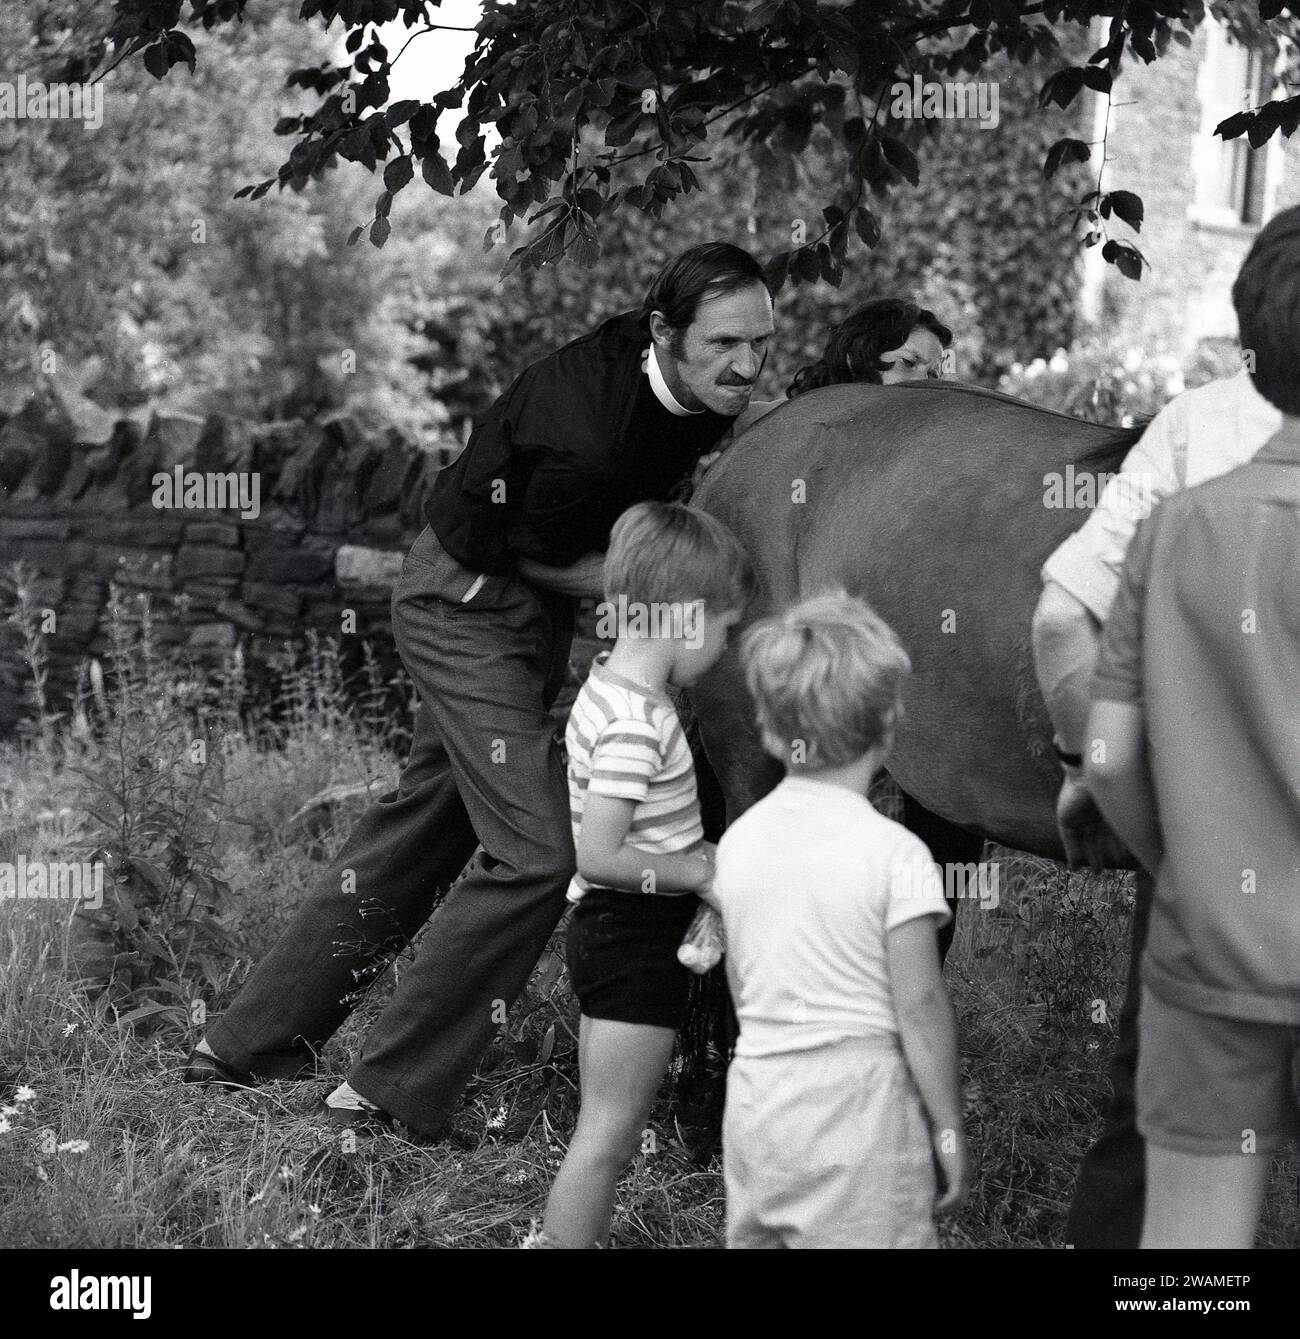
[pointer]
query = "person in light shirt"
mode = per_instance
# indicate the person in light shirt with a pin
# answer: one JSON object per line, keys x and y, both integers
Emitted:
{"x": 1199, "y": 435}
{"x": 844, "y": 1098}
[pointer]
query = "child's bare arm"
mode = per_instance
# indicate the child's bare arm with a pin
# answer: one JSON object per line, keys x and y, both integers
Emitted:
{"x": 928, "y": 1032}
{"x": 1115, "y": 763}
{"x": 606, "y": 858}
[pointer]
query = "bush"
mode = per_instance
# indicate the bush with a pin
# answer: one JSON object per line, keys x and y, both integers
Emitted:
{"x": 1097, "y": 381}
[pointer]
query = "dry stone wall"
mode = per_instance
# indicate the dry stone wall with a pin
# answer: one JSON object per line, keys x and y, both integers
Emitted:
{"x": 238, "y": 531}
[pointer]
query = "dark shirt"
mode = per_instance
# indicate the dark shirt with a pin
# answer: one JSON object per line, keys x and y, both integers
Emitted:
{"x": 575, "y": 440}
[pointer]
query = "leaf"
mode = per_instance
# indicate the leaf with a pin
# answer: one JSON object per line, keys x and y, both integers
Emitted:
{"x": 1236, "y": 124}
{"x": 1270, "y": 9}
{"x": 545, "y": 1050}
{"x": 379, "y": 231}
{"x": 180, "y": 49}
{"x": 150, "y": 874}
{"x": 148, "y": 1011}
{"x": 1065, "y": 151}
{"x": 435, "y": 171}
{"x": 398, "y": 173}
{"x": 1062, "y": 88}
{"x": 777, "y": 271}
{"x": 867, "y": 224}
{"x": 806, "y": 265}
{"x": 515, "y": 261}
{"x": 622, "y": 129}
{"x": 1096, "y": 77}
{"x": 899, "y": 156}
{"x": 586, "y": 251}
{"x": 1267, "y": 119}
{"x": 1127, "y": 259}
{"x": 1126, "y": 207}
{"x": 155, "y": 59}
{"x": 401, "y": 112}
{"x": 762, "y": 15}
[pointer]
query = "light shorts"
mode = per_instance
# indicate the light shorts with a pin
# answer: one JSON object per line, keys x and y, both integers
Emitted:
{"x": 827, "y": 1149}
{"x": 1213, "y": 1085}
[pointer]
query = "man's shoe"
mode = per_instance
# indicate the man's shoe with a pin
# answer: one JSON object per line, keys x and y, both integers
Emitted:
{"x": 210, "y": 1072}
{"x": 358, "y": 1118}
{"x": 370, "y": 1121}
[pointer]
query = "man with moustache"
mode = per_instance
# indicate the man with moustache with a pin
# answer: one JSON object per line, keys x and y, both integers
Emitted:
{"x": 483, "y": 618}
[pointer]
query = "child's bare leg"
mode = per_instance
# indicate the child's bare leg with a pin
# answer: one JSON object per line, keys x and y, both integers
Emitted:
{"x": 622, "y": 1066}
{"x": 1199, "y": 1201}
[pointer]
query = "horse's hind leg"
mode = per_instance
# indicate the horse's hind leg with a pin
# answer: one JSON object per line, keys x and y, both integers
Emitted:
{"x": 950, "y": 846}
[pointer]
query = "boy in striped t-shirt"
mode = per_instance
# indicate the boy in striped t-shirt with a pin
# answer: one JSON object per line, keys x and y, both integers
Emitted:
{"x": 676, "y": 581}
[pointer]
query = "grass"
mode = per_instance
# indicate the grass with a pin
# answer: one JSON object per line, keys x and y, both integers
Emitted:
{"x": 165, "y": 1165}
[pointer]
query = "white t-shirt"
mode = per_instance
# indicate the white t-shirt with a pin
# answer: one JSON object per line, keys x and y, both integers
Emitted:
{"x": 810, "y": 881}
{"x": 1198, "y": 435}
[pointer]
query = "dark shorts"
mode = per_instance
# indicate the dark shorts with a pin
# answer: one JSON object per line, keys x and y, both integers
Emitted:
{"x": 1213, "y": 1085}
{"x": 622, "y": 956}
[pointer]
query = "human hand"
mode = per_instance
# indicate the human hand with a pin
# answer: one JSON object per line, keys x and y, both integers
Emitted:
{"x": 703, "y": 945}
{"x": 707, "y": 854}
{"x": 953, "y": 1165}
{"x": 1087, "y": 839}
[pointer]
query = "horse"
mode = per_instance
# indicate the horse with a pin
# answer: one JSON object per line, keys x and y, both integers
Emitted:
{"x": 937, "y": 502}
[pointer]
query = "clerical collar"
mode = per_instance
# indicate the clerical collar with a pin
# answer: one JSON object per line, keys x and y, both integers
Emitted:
{"x": 660, "y": 387}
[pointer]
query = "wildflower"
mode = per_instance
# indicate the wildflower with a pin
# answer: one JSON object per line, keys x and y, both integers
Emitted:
{"x": 75, "y": 1146}
{"x": 297, "y": 1235}
{"x": 314, "y": 1208}
{"x": 255, "y": 1199}
{"x": 5, "y": 1127}
{"x": 498, "y": 1118}
{"x": 286, "y": 1173}
{"x": 1059, "y": 363}
{"x": 42, "y": 1174}
{"x": 69, "y": 1029}
{"x": 24, "y": 1094}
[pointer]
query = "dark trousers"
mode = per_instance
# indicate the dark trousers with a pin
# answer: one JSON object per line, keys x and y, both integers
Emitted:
{"x": 486, "y": 770}
{"x": 1110, "y": 1194}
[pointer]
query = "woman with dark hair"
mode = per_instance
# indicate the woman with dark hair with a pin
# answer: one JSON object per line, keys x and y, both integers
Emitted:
{"x": 884, "y": 341}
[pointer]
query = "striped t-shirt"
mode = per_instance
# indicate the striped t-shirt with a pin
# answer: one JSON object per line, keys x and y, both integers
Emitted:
{"x": 626, "y": 741}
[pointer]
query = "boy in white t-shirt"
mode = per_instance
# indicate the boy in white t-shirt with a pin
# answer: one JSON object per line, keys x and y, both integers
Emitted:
{"x": 844, "y": 1091}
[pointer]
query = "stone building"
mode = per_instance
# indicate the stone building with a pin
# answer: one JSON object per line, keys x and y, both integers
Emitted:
{"x": 1205, "y": 198}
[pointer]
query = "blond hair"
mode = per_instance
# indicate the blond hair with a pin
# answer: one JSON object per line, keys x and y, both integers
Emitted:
{"x": 662, "y": 552}
{"x": 825, "y": 676}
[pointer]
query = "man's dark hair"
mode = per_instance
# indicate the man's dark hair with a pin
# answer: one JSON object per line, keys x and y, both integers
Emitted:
{"x": 704, "y": 271}
{"x": 1267, "y": 298}
{"x": 853, "y": 350}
